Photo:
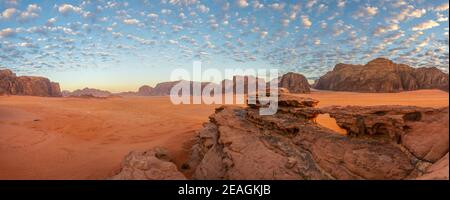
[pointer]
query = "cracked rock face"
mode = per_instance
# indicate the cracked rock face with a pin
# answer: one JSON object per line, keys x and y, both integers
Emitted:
{"x": 148, "y": 165}
{"x": 238, "y": 143}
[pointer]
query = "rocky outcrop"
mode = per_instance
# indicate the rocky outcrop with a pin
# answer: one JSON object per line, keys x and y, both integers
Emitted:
{"x": 295, "y": 83}
{"x": 145, "y": 91}
{"x": 422, "y": 131}
{"x": 382, "y": 142}
{"x": 238, "y": 143}
{"x": 148, "y": 165}
{"x": 88, "y": 92}
{"x": 437, "y": 171}
{"x": 382, "y": 75}
{"x": 10, "y": 84}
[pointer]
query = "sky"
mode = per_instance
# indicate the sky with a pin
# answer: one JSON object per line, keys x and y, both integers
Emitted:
{"x": 121, "y": 45}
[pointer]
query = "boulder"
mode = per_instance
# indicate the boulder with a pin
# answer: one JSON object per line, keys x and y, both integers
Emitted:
{"x": 148, "y": 165}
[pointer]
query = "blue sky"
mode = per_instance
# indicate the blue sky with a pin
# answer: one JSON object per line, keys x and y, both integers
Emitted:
{"x": 121, "y": 45}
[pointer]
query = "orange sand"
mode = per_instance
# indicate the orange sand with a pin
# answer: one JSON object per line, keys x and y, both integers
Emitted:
{"x": 72, "y": 138}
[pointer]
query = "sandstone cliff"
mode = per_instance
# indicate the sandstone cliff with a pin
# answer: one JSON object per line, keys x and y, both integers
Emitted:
{"x": 295, "y": 83}
{"x": 10, "y": 84}
{"x": 382, "y": 75}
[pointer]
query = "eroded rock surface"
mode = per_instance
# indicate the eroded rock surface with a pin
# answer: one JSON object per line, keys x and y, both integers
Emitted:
{"x": 238, "y": 143}
{"x": 295, "y": 83}
{"x": 382, "y": 142}
{"x": 422, "y": 131}
{"x": 10, "y": 84}
{"x": 148, "y": 165}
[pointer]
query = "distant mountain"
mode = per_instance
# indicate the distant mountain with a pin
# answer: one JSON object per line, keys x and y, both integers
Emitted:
{"x": 145, "y": 91}
{"x": 88, "y": 92}
{"x": 296, "y": 83}
{"x": 10, "y": 84}
{"x": 382, "y": 75}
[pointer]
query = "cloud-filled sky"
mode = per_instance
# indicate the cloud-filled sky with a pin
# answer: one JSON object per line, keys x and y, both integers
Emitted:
{"x": 120, "y": 45}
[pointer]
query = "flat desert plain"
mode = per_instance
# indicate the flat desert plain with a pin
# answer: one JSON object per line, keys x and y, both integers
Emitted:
{"x": 77, "y": 138}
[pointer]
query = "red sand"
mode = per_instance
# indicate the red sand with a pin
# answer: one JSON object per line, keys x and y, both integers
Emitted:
{"x": 74, "y": 138}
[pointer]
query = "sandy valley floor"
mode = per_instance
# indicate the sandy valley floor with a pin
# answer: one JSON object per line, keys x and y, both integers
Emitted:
{"x": 75, "y": 138}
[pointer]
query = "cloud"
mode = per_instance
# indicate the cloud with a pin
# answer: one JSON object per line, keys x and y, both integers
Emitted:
{"x": 7, "y": 32}
{"x": 442, "y": 7}
{"x": 257, "y": 5}
{"x": 8, "y": 13}
{"x": 399, "y": 3}
{"x": 425, "y": 25}
{"x": 31, "y": 12}
{"x": 441, "y": 17}
{"x": 341, "y": 3}
{"x": 407, "y": 13}
{"x": 263, "y": 34}
{"x": 242, "y": 3}
{"x": 285, "y": 22}
{"x": 68, "y": 8}
{"x": 366, "y": 12}
{"x": 153, "y": 16}
{"x": 384, "y": 29}
{"x": 316, "y": 42}
{"x": 131, "y": 21}
{"x": 277, "y": 6}
{"x": 311, "y": 3}
{"x": 202, "y": 8}
{"x": 305, "y": 21}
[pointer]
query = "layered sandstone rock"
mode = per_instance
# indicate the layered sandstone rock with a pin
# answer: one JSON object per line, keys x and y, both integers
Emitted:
{"x": 382, "y": 75}
{"x": 27, "y": 85}
{"x": 437, "y": 171}
{"x": 383, "y": 142}
{"x": 238, "y": 143}
{"x": 422, "y": 131}
{"x": 295, "y": 83}
{"x": 148, "y": 165}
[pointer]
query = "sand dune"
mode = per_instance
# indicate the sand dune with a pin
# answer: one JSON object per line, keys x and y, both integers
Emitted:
{"x": 75, "y": 138}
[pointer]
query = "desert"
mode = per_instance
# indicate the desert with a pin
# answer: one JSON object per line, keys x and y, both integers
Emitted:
{"x": 224, "y": 90}
{"x": 78, "y": 138}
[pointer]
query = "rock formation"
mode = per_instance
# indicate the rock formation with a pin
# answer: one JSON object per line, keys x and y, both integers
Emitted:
{"x": 145, "y": 91}
{"x": 382, "y": 75}
{"x": 382, "y": 142}
{"x": 295, "y": 83}
{"x": 148, "y": 165}
{"x": 10, "y": 84}
{"x": 85, "y": 92}
{"x": 238, "y": 143}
